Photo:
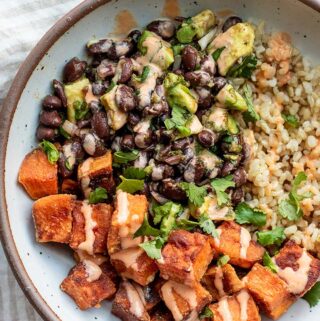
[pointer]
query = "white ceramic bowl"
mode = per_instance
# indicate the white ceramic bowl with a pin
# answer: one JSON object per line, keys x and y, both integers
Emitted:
{"x": 41, "y": 268}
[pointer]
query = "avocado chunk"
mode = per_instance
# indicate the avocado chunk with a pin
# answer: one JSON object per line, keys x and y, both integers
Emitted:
{"x": 216, "y": 119}
{"x": 155, "y": 50}
{"x": 75, "y": 96}
{"x": 196, "y": 27}
{"x": 180, "y": 95}
{"x": 236, "y": 42}
{"x": 116, "y": 117}
{"x": 232, "y": 125}
{"x": 194, "y": 125}
{"x": 231, "y": 99}
{"x": 172, "y": 80}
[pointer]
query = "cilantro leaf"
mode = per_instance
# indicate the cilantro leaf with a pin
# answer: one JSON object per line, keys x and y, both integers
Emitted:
{"x": 206, "y": 313}
{"x": 125, "y": 157}
{"x": 153, "y": 247}
{"x": 291, "y": 120}
{"x": 64, "y": 133}
{"x": 220, "y": 185}
{"x": 216, "y": 54}
{"x": 207, "y": 226}
{"x": 134, "y": 173}
{"x": 80, "y": 109}
{"x": 267, "y": 262}
{"x": 275, "y": 236}
{"x": 196, "y": 194}
{"x": 250, "y": 115}
{"x": 68, "y": 165}
{"x": 247, "y": 215}
{"x": 131, "y": 185}
{"x": 245, "y": 68}
{"x": 178, "y": 120}
{"x": 187, "y": 225}
{"x": 223, "y": 260}
{"x": 146, "y": 230}
{"x": 144, "y": 75}
{"x": 50, "y": 150}
{"x": 98, "y": 195}
{"x": 313, "y": 295}
{"x": 111, "y": 86}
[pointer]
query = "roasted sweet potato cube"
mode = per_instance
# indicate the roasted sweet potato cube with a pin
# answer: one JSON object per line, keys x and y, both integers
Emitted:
{"x": 37, "y": 175}
{"x": 299, "y": 269}
{"x": 128, "y": 216}
{"x": 88, "y": 283}
{"x": 128, "y": 304}
{"x": 90, "y": 227}
{"x": 185, "y": 257}
{"x": 184, "y": 302}
{"x": 151, "y": 293}
{"x": 235, "y": 241}
{"x": 52, "y": 217}
{"x": 94, "y": 172}
{"x": 133, "y": 263}
{"x": 221, "y": 281}
{"x": 237, "y": 307}
{"x": 269, "y": 291}
{"x": 161, "y": 313}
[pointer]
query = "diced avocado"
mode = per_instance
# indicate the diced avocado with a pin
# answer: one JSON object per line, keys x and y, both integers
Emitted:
{"x": 216, "y": 119}
{"x": 232, "y": 125}
{"x": 155, "y": 49}
{"x": 180, "y": 95}
{"x": 194, "y": 125}
{"x": 230, "y": 98}
{"x": 214, "y": 212}
{"x": 75, "y": 93}
{"x": 237, "y": 42}
{"x": 116, "y": 117}
{"x": 196, "y": 27}
{"x": 210, "y": 160}
{"x": 172, "y": 80}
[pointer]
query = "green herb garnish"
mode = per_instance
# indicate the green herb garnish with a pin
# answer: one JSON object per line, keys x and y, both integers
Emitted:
{"x": 245, "y": 68}
{"x": 216, "y": 54}
{"x": 248, "y": 215}
{"x": 267, "y": 262}
{"x": 125, "y": 157}
{"x": 98, "y": 195}
{"x": 220, "y": 185}
{"x": 50, "y": 150}
{"x": 130, "y": 185}
{"x": 196, "y": 194}
{"x": 313, "y": 295}
{"x": 291, "y": 120}
{"x": 250, "y": 115}
{"x": 274, "y": 237}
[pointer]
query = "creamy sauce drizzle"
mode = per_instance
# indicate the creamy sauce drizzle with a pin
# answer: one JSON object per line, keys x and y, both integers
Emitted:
{"x": 218, "y": 281}
{"x": 128, "y": 242}
{"x": 297, "y": 280}
{"x": 97, "y": 259}
{"x": 223, "y": 308}
{"x": 90, "y": 224}
{"x": 245, "y": 239}
{"x": 128, "y": 257}
{"x": 93, "y": 270}
{"x": 217, "y": 239}
{"x": 243, "y": 298}
{"x": 136, "y": 305}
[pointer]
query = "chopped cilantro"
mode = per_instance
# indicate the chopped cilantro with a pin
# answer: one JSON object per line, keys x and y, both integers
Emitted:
{"x": 125, "y": 157}
{"x": 67, "y": 164}
{"x": 111, "y": 86}
{"x": 134, "y": 173}
{"x": 178, "y": 120}
{"x": 153, "y": 247}
{"x": 64, "y": 133}
{"x": 80, "y": 109}
{"x": 223, "y": 260}
{"x": 146, "y": 229}
{"x": 250, "y": 115}
{"x": 98, "y": 195}
{"x": 50, "y": 150}
{"x": 216, "y": 54}
{"x": 206, "y": 313}
{"x": 130, "y": 185}
{"x": 291, "y": 120}
{"x": 247, "y": 215}
{"x": 274, "y": 237}
{"x": 196, "y": 194}
{"x": 313, "y": 295}
{"x": 207, "y": 226}
{"x": 267, "y": 262}
{"x": 244, "y": 69}
{"x": 144, "y": 75}
{"x": 220, "y": 185}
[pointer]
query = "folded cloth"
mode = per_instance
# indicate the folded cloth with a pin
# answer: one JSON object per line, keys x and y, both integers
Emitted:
{"x": 22, "y": 24}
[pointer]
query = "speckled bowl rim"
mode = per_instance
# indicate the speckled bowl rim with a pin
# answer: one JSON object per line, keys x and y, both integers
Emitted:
{"x": 6, "y": 116}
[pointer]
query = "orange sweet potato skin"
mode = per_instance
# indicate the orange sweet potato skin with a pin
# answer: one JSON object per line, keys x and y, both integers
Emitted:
{"x": 38, "y": 176}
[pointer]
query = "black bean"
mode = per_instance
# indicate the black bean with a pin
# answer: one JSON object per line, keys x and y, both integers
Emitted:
{"x": 74, "y": 70}
{"x": 198, "y": 78}
{"x": 180, "y": 144}
{"x": 133, "y": 119}
{"x": 127, "y": 142}
{"x": 189, "y": 57}
{"x": 59, "y": 91}
{"x": 76, "y": 148}
{"x": 106, "y": 69}
{"x": 50, "y": 118}
{"x": 218, "y": 84}
{"x": 52, "y": 102}
{"x": 101, "y": 46}
{"x": 188, "y": 154}
{"x": 84, "y": 123}
{"x": 194, "y": 172}
{"x": 174, "y": 159}
{"x": 120, "y": 49}
{"x": 45, "y": 133}
{"x": 171, "y": 190}
{"x": 91, "y": 74}
{"x": 99, "y": 124}
{"x": 161, "y": 171}
{"x": 227, "y": 168}
{"x": 246, "y": 153}
{"x": 208, "y": 65}
{"x": 231, "y": 21}
{"x": 156, "y": 109}
{"x": 240, "y": 176}
{"x": 125, "y": 98}
{"x": 126, "y": 70}
{"x": 204, "y": 97}
{"x": 94, "y": 106}
{"x": 98, "y": 89}
{"x": 164, "y": 136}
{"x": 164, "y": 28}
{"x": 237, "y": 196}
{"x": 143, "y": 140}
{"x": 134, "y": 35}
{"x": 207, "y": 138}
{"x": 63, "y": 170}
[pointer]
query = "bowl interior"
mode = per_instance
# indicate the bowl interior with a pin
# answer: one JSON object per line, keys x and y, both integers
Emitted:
{"x": 47, "y": 265}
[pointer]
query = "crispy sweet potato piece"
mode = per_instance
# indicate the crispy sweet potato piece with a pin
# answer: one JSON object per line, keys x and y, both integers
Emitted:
{"x": 151, "y": 293}
{"x": 161, "y": 313}
{"x": 235, "y": 241}
{"x": 37, "y": 175}
{"x": 52, "y": 217}
{"x": 299, "y": 269}
{"x": 238, "y": 307}
{"x": 88, "y": 284}
{"x": 185, "y": 257}
{"x": 128, "y": 216}
{"x": 221, "y": 281}
{"x": 133, "y": 263}
{"x": 184, "y": 302}
{"x": 128, "y": 305}
{"x": 101, "y": 218}
{"x": 269, "y": 291}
